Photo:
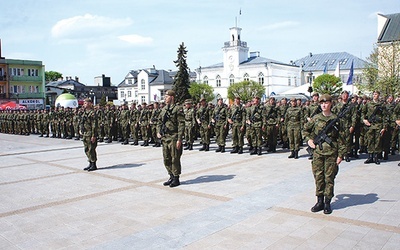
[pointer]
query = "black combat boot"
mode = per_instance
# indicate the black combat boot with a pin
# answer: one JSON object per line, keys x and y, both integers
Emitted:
{"x": 93, "y": 167}
{"x": 222, "y": 149}
{"x": 376, "y": 159}
{"x": 41, "y": 135}
{"x": 296, "y": 154}
{"x": 347, "y": 158}
{"x": 218, "y": 149}
{"x": 240, "y": 150}
{"x": 355, "y": 155}
{"x": 191, "y": 146}
{"x": 187, "y": 146}
{"x": 386, "y": 155}
{"x": 125, "y": 142}
{"x": 319, "y": 206}
{"x": 175, "y": 182}
{"x": 135, "y": 143}
{"x": 327, "y": 206}
{"x": 291, "y": 154}
{"x": 171, "y": 177}
{"x": 235, "y": 150}
{"x": 259, "y": 151}
{"x": 254, "y": 151}
{"x": 393, "y": 152}
{"x": 370, "y": 159}
{"x": 87, "y": 168}
{"x": 203, "y": 148}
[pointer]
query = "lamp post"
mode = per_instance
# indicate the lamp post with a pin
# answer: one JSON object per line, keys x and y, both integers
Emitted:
{"x": 310, "y": 89}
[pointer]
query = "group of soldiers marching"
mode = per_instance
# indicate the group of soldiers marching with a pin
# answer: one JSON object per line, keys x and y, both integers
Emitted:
{"x": 369, "y": 124}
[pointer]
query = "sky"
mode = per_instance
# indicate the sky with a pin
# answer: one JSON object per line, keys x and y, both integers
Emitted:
{"x": 88, "y": 38}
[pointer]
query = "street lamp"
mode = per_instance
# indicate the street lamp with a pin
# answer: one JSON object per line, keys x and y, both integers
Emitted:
{"x": 310, "y": 89}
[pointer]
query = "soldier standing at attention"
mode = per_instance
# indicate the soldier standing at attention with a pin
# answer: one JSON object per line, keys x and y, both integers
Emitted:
{"x": 124, "y": 120}
{"x": 271, "y": 121}
{"x": 89, "y": 129}
{"x": 203, "y": 119}
{"x": 374, "y": 119}
{"x": 254, "y": 120}
{"x": 154, "y": 119}
{"x": 237, "y": 118}
{"x": 312, "y": 110}
{"x": 144, "y": 120}
{"x": 326, "y": 160}
{"x": 171, "y": 130}
{"x": 282, "y": 124}
{"x": 219, "y": 118}
{"x": 294, "y": 117}
{"x": 190, "y": 121}
{"x": 134, "y": 123}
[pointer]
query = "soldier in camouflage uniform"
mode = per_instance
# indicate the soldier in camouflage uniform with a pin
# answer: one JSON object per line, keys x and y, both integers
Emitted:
{"x": 171, "y": 131}
{"x": 124, "y": 121}
{"x": 388, "y": 140}
{"x": 134, "y": 123}
{"x": 294, "y": 123}
{"x": 190, "y": 121}
{"x": 396, "y": 117}
{"x": 237, "y": 118}
{"x": 203, "y": 117}
{"x": 348, "y": 121}
{"x": 75, "y": 122}
{"x": 219, "y": 119}
{"x": 326, "y": 160}
{"x": 271, "y": 122}
{"x": 154, "y": 119}
{"x": 255, "y": 123}
{"x": 144, "y": 120}
{"x": 282, "y": 124}
{"x": 89, "y": 129}
{"x": 373, "y": 116}
{"x": 45, "y": 122}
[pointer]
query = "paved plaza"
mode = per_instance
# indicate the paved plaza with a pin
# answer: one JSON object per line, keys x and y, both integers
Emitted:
{"x": 225, "y": 201}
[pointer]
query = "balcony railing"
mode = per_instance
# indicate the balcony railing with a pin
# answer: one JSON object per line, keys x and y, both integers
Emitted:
{"x": 26, "y": 95}
{"x": 26, "y": 78}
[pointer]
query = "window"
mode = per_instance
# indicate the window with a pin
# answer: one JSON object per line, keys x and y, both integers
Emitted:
{"x": 136, "y": 93}
{"x": 261, "y": 78}
{"x": 162, "y": 94}
{"x": 295, "y": 81}
{"x": 343, "y": 61}
{"x": 289, "y": 81}
{"x": 122, "y": 94}
{"x": 313, "y": 63}
{"x": 332, "y": 61}
{"x": 129, "y": 93}
{"x": 205, "y": 80}
{"x": 34, "y": 89}
{"x": 2, "y": 89}
{"x": 218, "y": 81}
{"x": 130, "y": 81}
{"x": 246, "y": 77}
{"x": 143, "y": 99}
{"x": 142, "y": 84}
{"x": 231, "y": 79}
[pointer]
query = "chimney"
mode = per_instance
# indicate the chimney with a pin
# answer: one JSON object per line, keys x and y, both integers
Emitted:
{"x": 76, "y": 78}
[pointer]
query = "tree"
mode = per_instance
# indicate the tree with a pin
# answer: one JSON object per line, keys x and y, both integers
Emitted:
{"x": 182, "y": 81}
{"x": 51, "y": 76}
{"x": 201, "y": 90}
{"x": 328, "y": 84}
{"x": 246, "y": 90}
{"x": 383, "y": 69}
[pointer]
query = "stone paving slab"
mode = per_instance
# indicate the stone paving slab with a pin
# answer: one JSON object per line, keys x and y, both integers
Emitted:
{"x": 225, "y": 201}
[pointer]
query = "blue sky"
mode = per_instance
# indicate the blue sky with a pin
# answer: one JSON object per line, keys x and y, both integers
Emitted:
{"x": 88, "y": 38}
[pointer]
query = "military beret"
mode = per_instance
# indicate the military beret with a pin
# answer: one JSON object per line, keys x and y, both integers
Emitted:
{"x": 203, "y": 99}
{"x": 315, "y": 94}
{"x": 325, "y": 98}
{"x": 170, "y": 92}
{"x": 293, "y": 99}
{"x": 188, "y": 101}
{"x": 88, "y": 100}
{"x": 345, "y": 92}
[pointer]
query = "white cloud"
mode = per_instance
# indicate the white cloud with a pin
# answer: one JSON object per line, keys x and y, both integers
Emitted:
{"x": 281, "y": 25}
{"x": 87, "y": 26}
{"x": 136, "y": 39}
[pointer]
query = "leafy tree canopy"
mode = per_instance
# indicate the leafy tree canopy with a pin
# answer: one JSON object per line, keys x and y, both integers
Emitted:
{"x": 182, "y": 80}
{"x": 328, "y": 84}
{"x": 246, "y": 90}
{"x": 51, "y": 76}
{"x": 201, "y": 90}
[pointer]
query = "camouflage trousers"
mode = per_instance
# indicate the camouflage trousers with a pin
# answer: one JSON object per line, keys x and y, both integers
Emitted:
{"x": 220, "y": 134}
{"x": 271, "y": 135}
{"x": 294, "y": 136}
{"x": 90, "y": 148}
{"x": 189, "y": 133}
{"x": 171, "y": 155}
{"x": 205, "y": 134}
{"x": 256, "y": 136}
{"x": 237, "y": 135}
{"x": 324, "y": 169}
{"x": 373, "y": 140}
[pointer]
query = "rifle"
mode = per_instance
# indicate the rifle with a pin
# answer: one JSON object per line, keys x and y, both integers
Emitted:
{"x": 322, "y": 135}
{"x": 233, "y": 117}
{"x": 164, "y": 121}
{"x": 372, "y": 118}
{"x": 316, "y": 111}
{"x": 270, "y": 112}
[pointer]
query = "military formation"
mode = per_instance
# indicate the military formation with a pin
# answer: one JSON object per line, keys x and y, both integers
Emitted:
{"x": 255, "y": 127}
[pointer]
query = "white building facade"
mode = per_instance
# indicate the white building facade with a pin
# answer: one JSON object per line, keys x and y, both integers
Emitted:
{"x": 240, "y": 65}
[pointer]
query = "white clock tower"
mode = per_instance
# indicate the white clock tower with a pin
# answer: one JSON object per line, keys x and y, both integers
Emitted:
{"x": 235, "y": 51}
